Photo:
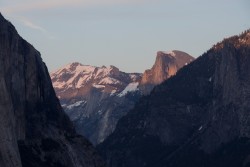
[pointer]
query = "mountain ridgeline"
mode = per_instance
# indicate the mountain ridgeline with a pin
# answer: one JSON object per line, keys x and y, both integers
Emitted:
{"x": 95, "y": 98}
{"x": 199, "y": 117}
{"x": 35, "y": 132}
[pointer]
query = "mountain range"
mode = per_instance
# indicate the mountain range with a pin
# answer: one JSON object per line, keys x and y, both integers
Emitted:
{"x": 199, "y": 117}
{"x": 179, "y": 113}
{"x": 95, "y": 98}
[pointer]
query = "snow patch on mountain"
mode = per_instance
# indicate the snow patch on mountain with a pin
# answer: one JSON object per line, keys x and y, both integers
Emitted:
{"x": 98, "y": 86}
{"x": 109, "y": 81}
{"x": 59, "y": 85}
{"x": 82, "y": 81}
{"x": 76, "y": 76}
{"x": 130, "y": 88}
{"x": 76, "y": 104}
{"x": 134, "y": 77}
{"x": 112, "y": 92}
{"x": 171, "y": 53}
{"x": 103, "y": 71}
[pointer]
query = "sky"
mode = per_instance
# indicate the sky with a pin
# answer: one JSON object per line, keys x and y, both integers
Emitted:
{"x": 123, "y": 33}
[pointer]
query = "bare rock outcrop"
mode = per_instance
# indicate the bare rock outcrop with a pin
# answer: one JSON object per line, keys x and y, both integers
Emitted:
{"x": 165, "y": 66}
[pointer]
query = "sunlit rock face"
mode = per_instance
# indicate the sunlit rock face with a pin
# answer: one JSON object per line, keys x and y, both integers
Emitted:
{"x": 34, "y": 129}
{"x": 165, "y": 66}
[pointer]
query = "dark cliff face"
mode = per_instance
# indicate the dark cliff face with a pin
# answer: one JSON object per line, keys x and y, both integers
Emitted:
{"x": 199, "y": 117}
{"x": 165, "y": 66}
{"x": 34, "y": 129}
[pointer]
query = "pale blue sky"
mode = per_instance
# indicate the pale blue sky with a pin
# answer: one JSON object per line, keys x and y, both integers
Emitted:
{"x": 124, "y": 33}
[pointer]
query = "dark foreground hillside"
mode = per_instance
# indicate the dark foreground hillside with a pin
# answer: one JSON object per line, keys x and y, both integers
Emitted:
{"x": 198, "y": 118}
{"x": 34, "y": 131}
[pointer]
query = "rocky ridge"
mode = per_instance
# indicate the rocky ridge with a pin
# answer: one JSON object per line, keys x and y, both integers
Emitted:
{"x": 199, "y": 117}
{"x": 95, "y": 98}
{"x": 34, "y": 129}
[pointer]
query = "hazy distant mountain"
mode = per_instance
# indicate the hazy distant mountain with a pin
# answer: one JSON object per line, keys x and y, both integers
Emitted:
{"x": 199, "y": 117}
{"x": 95, "y": 98}
{"x": 34, "y": 130}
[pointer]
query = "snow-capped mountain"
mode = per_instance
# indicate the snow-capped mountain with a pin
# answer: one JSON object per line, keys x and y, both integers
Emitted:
{"x": 95, "y": 98}
{"x": 76, "y": 76}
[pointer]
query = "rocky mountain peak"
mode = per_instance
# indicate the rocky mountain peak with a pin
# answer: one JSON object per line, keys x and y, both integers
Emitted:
{"x": 74, "y": 64}
{"x": 75, "y": 76}
{"x": 95, "y": 97}
{"x": 165, "y": 66}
